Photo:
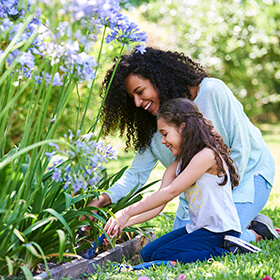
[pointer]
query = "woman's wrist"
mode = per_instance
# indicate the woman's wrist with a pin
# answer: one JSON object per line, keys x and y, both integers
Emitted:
{"x": 101, "y": 201}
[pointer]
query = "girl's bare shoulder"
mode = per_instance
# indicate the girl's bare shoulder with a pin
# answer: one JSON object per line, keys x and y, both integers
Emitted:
{"x": 207, "y": 153}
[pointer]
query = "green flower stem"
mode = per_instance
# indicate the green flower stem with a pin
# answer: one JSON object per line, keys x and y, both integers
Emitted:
{"x": 92, "y": 84}
{"x": 33, "y": 117}
{"x": 15, "y": 39}
{"x": 79, "y": 107}
{"x": 61, "y": 105}
{"x": 104, "y": 98}
{"x": 8, "y": 49}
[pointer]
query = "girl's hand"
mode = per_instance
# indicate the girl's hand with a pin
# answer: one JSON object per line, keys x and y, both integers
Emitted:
{"x": 115, "y": 226}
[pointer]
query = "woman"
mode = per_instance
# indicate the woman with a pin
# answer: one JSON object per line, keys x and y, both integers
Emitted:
{"x": 141, "y": 84}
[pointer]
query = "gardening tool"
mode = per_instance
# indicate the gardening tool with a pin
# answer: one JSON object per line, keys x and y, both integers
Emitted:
{"x": 92, "y": 251}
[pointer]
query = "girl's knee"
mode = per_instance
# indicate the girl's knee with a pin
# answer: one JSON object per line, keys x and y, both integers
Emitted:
{"x": 145, "y": 255}
{"x": 160, "y": 255}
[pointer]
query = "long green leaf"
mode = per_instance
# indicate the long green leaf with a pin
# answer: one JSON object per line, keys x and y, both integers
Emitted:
{"x": 19, "y": 235}
{"x": 43, "y": 256}
{"x": 38, "y": 224}
{"x": 68, "y": 200}
{"x": 27, "y": 272}
{"x": 10, "y": 265}
{"x": 62, "y": 241}
{"x": 61, "y": 219}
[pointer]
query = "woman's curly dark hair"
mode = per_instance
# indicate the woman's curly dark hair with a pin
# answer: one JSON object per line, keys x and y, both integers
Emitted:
{"x": 197, "y": 134}
{"x": 170, "y": 73}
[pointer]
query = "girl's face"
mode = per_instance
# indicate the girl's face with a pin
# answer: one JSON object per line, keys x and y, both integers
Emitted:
{"x": 170, "y": 136}
{"x": 143, "y": 93}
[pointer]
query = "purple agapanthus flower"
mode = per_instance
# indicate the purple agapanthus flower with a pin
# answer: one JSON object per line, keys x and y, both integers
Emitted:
{"x": 26, "y": 72}
{"x": 141, "y": 49}
{"x": 6, "y": 24}
{"x": 27, "y": 59}
{"x": 50, "y": 155}
{"x": 54, "y": 145}
{"x": 65, "y": 43}
{"x": 57, "y": 175}
{"x": 38, "y": 79}
{"x": 57, "y": 79}
{"x": 86, "y": 158}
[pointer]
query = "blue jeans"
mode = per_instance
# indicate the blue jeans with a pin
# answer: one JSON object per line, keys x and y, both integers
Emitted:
{"x": 178, "y": 245}
{"x": 246, "y": 211}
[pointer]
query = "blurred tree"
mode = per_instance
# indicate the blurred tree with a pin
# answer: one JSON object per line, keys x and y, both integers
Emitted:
{"x": 238, "y": 42}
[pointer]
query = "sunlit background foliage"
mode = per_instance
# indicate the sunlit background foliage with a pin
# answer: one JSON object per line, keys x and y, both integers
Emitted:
{"x": 238, "y": 41}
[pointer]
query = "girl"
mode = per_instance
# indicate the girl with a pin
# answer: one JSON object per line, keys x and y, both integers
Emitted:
{"x": 205, "y": 173}
{"x": 140, "y": 85}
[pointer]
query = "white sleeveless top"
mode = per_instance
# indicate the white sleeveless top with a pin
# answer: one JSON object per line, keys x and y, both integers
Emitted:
{"x": 210, "y": 205}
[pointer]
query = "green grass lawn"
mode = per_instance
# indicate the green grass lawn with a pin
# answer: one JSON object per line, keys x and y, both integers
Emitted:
{"x": 249, "y": 266}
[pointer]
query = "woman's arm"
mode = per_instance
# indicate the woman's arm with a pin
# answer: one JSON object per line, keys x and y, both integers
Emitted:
{"x": 138, "y": 173}
{"x": 200, "y": 163}
{"x": 168, "y": 176}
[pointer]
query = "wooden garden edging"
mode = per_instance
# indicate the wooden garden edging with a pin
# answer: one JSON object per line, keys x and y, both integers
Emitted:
{"x": 76, "y": 268}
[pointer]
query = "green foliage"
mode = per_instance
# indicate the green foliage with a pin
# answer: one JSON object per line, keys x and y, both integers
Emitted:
{"x": 38, "y": 218}
{"x": 237, "y": 41}
{"x": 39, "y": 214}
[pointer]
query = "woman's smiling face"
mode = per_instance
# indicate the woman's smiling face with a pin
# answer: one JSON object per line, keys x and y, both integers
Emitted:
{"x": 143, "y": 93}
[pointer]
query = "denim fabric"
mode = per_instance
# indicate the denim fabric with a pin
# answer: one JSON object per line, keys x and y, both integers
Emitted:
{"x": 248, "y": 211}
{"x": 178, "y": 245}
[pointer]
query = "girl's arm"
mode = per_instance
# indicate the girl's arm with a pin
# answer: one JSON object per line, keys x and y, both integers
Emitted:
{"x": 143, "y": 217}
{"x": 200, "y": 163}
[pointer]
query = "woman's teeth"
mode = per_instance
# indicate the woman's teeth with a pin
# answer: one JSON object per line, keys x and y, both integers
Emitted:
{"x": 148, "y": 106}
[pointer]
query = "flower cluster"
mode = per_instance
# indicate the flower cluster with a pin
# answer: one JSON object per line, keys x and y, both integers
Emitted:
{"x": 12, "y": 8}
{"x": 70, "y": 42}
{"x": 80, "y": 166}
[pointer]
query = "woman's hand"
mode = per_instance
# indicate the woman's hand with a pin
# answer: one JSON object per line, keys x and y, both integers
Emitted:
{"x": 115, "y": 226}
{"x": 102, "y": 201}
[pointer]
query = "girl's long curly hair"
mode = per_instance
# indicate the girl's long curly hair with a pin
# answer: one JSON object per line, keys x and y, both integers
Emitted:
{"x": 170, "y": 73}
{"x": 197, "y": 134}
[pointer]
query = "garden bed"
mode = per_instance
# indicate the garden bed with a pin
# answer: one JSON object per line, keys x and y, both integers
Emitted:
{"x": 76, "y": 268}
